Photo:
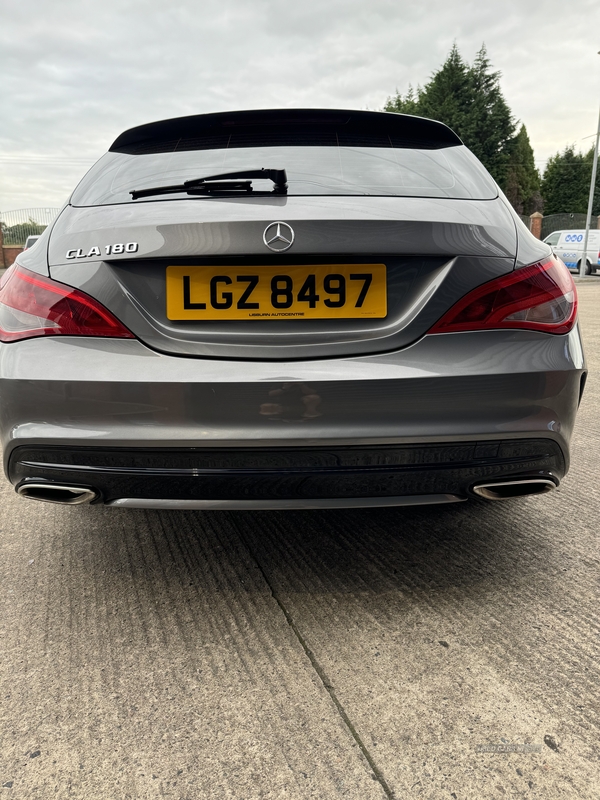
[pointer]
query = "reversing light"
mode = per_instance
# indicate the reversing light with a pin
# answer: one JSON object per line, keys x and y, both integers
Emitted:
{"x": 32, "y": 305}
{"x": 540, "y": 297}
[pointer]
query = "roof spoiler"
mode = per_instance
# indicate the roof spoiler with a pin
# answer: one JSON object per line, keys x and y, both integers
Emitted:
{"x": 300, "y": 126}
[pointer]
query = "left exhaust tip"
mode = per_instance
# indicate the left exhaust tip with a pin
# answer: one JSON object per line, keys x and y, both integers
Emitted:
{"x": 53, "y": 493}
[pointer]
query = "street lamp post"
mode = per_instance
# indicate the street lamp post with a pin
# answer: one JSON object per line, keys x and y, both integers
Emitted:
{"x": 588, "y": 220}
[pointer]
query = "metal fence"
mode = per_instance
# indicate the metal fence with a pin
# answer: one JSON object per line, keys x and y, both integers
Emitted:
{"x": 18, "y": 225}
{"x": 567, "y": 222}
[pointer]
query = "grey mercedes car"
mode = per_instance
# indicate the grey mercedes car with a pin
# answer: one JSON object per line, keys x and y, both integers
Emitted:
{"x": 287, "y": 309}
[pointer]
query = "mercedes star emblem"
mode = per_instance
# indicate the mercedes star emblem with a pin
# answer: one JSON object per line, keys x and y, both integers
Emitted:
{"x": 278, "y": 236}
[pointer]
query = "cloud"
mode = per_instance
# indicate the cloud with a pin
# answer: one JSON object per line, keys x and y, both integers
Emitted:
{"x": 76, "y": 73}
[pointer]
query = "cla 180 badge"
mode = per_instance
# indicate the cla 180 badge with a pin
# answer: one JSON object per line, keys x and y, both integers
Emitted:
{"x": 110, "y": 250}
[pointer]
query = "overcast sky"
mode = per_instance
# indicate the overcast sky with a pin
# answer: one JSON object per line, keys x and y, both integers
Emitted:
{"x": 75, "y": 73}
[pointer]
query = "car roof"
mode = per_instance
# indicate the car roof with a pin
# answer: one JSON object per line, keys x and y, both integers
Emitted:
{"x": 410, "y": 131}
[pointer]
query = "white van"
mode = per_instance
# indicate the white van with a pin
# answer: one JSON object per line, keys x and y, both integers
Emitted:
{"x": 568, "y": 245}
{"x": 30, "y": 241}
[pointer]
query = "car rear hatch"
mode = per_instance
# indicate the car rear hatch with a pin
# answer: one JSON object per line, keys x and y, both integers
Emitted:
{"x": 354, "y": 259}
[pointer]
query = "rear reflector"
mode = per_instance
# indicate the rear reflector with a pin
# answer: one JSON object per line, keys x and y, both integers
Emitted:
{"x": 32, "y": 305}
{"x": 540, "y": 297}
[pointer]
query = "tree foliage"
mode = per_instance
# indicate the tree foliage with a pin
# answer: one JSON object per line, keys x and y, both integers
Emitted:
{"x": 468, "y": 98}
{"x": 566, "y": 183}
{"x": 522, "y": 186}
{"x": 445, "y": 98}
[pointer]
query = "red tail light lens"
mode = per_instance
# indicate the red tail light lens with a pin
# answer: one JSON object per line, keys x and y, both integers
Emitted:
{"x": 31, "y": 305}
{"x": 540, "y": 297}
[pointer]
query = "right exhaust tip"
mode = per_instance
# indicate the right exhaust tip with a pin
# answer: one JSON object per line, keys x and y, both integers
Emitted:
{"x": 504, "y": 490}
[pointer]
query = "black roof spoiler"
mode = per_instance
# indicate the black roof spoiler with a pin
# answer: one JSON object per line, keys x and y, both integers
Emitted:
{"x": 405, "y": 130}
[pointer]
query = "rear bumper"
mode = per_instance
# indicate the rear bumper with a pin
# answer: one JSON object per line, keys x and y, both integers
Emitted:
{"x": 444, "y": 412}
{"x": 292, "y": 476}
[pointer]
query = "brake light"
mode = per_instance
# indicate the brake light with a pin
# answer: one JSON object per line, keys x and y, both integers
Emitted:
{"x": 540, "y": 297}
{"x": 32, "y": 305}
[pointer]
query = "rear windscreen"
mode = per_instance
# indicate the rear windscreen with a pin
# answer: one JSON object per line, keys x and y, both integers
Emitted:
{"x": 378, "y": 169}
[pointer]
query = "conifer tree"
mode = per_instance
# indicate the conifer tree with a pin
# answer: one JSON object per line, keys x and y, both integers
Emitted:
{"x": 448, "y": 97}
{"x": 523, "y": 179}
{"x": 469, "y": 100}
{"x": 404, "y": 105}
{"x": 566, "y": 183}
{"x": 489, "y": 125}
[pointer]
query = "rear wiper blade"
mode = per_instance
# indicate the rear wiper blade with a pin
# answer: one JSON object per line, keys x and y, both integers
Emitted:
{"x": 226, "y": 183}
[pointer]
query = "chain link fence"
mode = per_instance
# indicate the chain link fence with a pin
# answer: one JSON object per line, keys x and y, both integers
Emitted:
{"x": 18, "y": 225}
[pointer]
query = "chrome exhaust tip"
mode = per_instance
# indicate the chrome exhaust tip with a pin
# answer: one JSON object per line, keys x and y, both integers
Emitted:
{"x": 504, "y": 490}
{"x": 53, "y": 493}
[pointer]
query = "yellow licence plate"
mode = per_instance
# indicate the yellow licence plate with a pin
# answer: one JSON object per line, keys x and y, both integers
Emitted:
{"x": 318, "y": 291}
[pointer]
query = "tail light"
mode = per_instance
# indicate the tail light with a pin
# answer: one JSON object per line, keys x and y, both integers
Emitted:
{"x": 540, "y": 297}
{"x": 32, "y": 305}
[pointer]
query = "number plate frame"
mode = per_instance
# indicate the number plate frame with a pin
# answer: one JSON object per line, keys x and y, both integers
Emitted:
{"x": 264, "y": 292}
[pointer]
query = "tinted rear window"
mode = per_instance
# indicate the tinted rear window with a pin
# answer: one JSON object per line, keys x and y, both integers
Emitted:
{"x": 371, "y": 166}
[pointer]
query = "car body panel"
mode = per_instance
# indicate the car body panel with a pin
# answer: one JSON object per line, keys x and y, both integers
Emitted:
{"x": 466, "y": 243}
{"x": 529, "y": 249}
{"x": 490, "y": 385}
{"x": 416, "y": 303}
{"x": 232, "y": 226}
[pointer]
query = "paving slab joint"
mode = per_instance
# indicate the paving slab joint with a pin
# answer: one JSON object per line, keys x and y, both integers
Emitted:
{"x": 328, "y": 686}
